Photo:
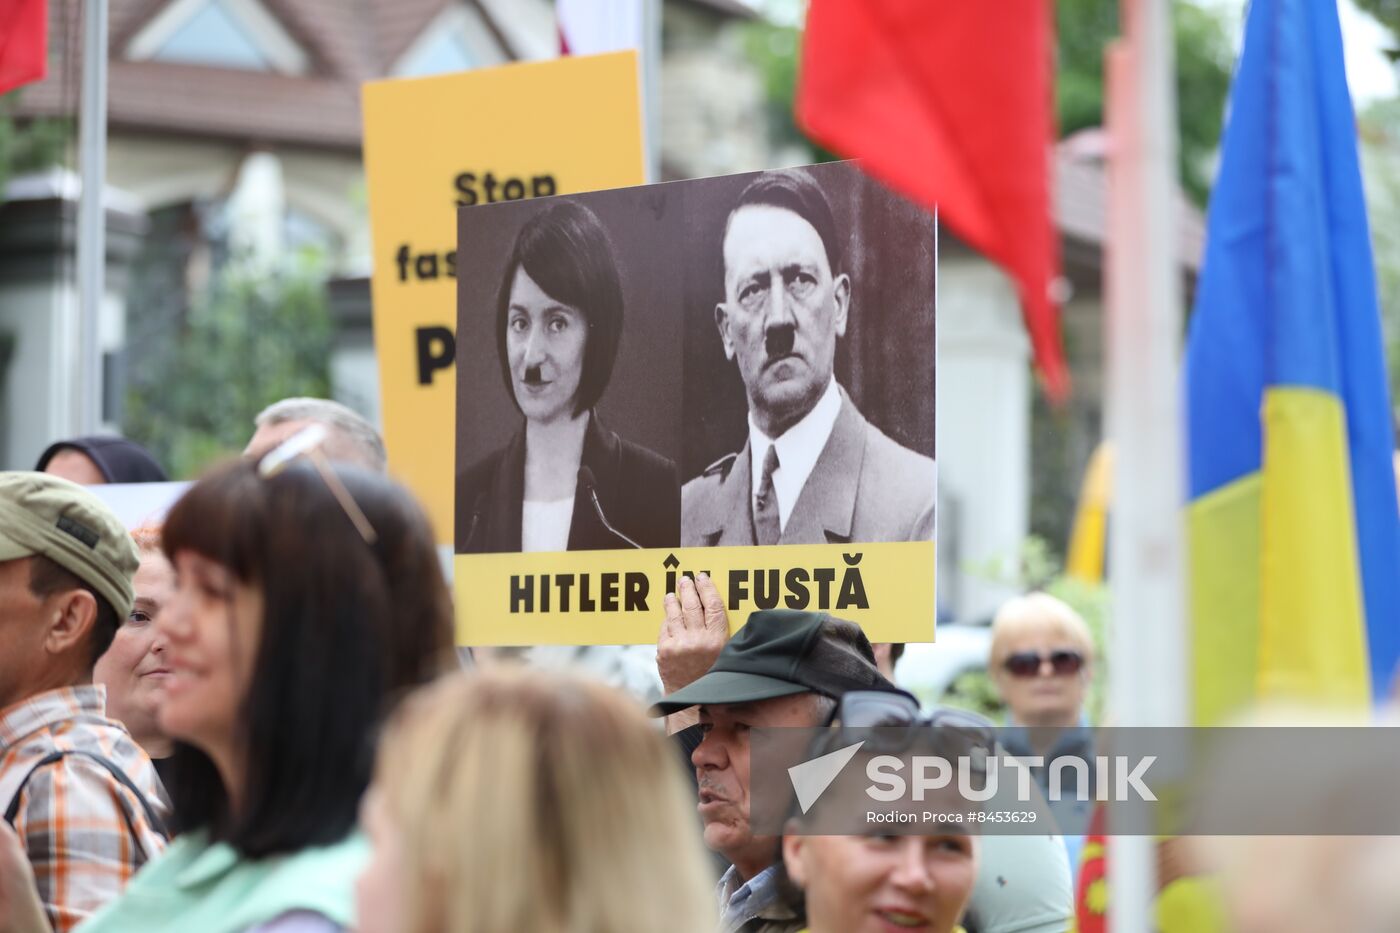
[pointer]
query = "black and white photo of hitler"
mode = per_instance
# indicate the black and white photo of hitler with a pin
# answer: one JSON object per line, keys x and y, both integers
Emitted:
{"x": 565, "y": 480}
{"x": 819, "y": 298}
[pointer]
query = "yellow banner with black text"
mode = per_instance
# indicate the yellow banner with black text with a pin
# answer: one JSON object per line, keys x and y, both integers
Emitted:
{"x": 615, "y": 597}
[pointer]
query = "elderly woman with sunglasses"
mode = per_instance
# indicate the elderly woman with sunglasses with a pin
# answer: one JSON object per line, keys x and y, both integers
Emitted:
{"x": 1042, "y": 658}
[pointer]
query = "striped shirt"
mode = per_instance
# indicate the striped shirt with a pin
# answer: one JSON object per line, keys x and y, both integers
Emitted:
{"x": 741, "y": 902}
{"x": 85, "y": 834}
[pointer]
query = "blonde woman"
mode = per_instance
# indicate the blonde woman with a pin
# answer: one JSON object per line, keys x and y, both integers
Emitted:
{"x": 515, "y": 800}
{"x": 1042, "y": 658}
{"x": 1042, "y": 663}
{"x": 875, "y": 884}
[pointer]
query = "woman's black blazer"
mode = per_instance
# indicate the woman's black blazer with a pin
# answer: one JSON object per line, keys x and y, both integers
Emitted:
{"x": 639, "y": 492}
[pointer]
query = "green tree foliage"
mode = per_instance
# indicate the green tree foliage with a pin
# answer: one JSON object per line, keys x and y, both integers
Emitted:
{"x": 29, "y": 145}
{"x": 1084, "y": 28}
{"x": 1380, "y": 163}
{"x": 1387, "y": 13}
{"x": 775, "y": 49}
{"x": 251, "y": 340}
{"x": 1204, "y": 63}
{"x": 200, "y": 371}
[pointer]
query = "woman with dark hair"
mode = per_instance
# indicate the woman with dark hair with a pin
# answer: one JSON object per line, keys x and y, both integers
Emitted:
{"x": 305, "y": 604}
{"x": 564, "y": 482}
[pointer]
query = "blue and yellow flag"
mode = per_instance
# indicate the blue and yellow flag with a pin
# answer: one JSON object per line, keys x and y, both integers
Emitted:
{"x": 1294, "y": 530}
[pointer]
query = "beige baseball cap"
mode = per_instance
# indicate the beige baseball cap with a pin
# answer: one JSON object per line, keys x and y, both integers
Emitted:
{"x": 43, "y": 514}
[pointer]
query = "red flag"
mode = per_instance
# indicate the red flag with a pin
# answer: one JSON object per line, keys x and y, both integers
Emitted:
{"x": 949, "y": 102}
{"x": 1091, "y": 893}
{"x": 23, "y": 32}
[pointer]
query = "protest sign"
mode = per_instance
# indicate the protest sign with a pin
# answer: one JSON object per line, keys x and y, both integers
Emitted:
{"x": 733, "y": 375}
{"x": 476, "y": 138}
{"x": 137, "y": 504}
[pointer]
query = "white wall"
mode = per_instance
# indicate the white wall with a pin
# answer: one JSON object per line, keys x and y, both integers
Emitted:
{"x": 40, "y": 397}
{"x": 983, "y": 436}
{"x": 355, "y": 377}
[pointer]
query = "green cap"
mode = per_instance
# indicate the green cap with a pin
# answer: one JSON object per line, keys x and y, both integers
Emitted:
{"x": 780, "y": 652}
{"x": 49, "y": 516}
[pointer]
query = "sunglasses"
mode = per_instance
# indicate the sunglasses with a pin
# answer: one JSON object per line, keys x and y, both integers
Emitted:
{"x": 307, "y": 443}
{"x": 901, "y": 723}
{"x": 1063, "y": 662}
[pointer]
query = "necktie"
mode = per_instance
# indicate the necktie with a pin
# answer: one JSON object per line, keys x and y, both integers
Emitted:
{"x": 767, "y": 529}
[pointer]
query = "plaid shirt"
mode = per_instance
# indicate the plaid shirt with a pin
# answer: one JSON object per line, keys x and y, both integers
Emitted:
{"x": 84, "y": 832}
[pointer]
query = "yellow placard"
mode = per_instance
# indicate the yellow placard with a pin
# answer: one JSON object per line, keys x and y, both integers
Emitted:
{"x": 435, "y": 144}
{"x": 615, "y": 597}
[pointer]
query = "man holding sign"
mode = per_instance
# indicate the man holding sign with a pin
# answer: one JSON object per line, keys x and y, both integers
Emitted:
{"x": 814, "y": 470}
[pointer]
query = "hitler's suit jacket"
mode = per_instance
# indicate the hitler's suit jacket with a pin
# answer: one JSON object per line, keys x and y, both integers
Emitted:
{"x": 864, "y": 487}
{"x": 638, "y": 489}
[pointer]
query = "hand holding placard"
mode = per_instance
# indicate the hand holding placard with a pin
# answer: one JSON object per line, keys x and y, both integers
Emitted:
{"x": 692, "y": 636}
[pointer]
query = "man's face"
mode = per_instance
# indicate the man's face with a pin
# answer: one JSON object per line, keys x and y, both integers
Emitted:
{"x": 21, "y": 629}
{"x": 722, "y": 768}
{"x": 782, "y": 313}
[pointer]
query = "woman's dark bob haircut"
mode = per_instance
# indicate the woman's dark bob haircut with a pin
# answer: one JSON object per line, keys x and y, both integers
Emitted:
{"x": 566, "y": 251}
{"x": 347, "y": 628}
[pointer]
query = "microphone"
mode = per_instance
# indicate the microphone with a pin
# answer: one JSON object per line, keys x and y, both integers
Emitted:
{"x": 589, "y": 482}
{"x": 477, "y": 509}
{"x": 471, "y": 530}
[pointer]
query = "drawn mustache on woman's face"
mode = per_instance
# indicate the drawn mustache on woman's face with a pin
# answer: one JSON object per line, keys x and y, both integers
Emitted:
{"x": 533, "y": 376}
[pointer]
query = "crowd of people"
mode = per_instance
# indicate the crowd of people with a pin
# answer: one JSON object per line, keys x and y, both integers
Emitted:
{"x": 251, "y": 718}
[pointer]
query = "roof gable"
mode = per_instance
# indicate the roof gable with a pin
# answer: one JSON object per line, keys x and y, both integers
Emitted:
{"x": 456, "y": 39}
{"x": 241, "y": 34}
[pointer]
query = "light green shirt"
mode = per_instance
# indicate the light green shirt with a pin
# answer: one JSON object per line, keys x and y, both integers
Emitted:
{"x": 209, "y": 888}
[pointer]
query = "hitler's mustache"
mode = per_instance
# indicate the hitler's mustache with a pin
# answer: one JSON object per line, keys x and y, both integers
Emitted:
{"x": 778, "y": 341}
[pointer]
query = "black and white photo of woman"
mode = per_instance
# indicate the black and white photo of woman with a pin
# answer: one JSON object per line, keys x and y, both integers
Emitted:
{"x": 564, "y": 481}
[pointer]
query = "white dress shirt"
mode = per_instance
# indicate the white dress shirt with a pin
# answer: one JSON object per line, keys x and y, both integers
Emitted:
{"x": 544, "y": 526}
{"x": 798, "y": 450}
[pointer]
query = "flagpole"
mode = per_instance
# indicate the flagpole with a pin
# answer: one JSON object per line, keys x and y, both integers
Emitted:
{"x": 1147, "y": 658}
{"x": 650, "y": 53}
{"x": 92, "y": 221}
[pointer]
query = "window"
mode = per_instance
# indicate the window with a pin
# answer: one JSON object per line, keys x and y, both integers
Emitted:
{"x": 219, "y": 33}
{"x": 213, "y": 37}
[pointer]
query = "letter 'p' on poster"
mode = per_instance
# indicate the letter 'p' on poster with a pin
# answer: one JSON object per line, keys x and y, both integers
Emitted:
{"x": 481, "y": 137}
{"x": 732, "y": 375}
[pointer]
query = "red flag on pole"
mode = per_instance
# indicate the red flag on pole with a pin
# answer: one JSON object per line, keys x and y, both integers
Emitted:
{"x": 23, "y": 33}
{"x": 949, "y": 102}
